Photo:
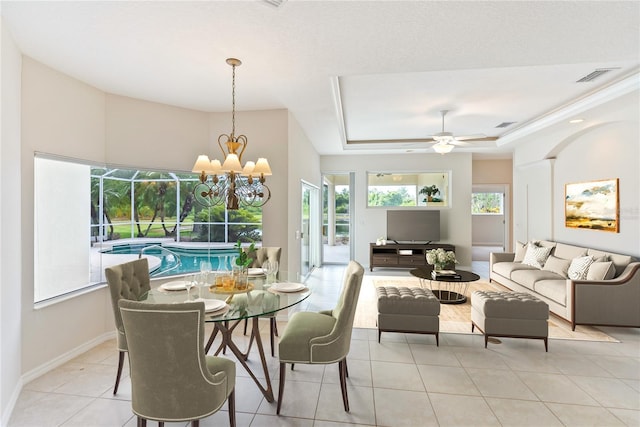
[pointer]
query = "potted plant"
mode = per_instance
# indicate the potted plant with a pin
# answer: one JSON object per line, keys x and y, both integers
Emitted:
{"x": 429, "y": 190}
{"x": 242, "y": 263}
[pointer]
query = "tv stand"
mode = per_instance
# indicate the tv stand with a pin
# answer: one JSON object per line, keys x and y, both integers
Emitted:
{"x": 402, "y": 255}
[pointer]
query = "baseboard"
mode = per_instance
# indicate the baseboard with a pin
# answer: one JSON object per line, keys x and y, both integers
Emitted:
{"x": 6, "y": 415}
{"x": 47, "y": 367}
{"x": 64, "y": 358}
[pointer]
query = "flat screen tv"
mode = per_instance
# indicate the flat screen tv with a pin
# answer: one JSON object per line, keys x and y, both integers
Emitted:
{"x": 419, "y": 226}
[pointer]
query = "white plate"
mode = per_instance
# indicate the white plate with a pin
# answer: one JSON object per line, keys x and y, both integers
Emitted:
{"x": 176, "y": 285}
{"x": 255, "y": 272}
{"x": 288, "y": 287}
{"x": 213, "y": 305}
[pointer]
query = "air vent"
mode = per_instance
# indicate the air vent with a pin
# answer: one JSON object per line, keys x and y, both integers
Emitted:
{"x": 274, "y": 3}
{"x": 505, "y": 124}
{"x": 595, "y": 74}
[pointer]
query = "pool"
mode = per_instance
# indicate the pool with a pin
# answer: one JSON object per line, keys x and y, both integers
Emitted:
{"x": 179, "y": 260}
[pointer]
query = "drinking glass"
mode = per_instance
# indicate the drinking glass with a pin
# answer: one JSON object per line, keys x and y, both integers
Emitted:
{"x": 190, "y": 283}
{"x": 270, "y": 268}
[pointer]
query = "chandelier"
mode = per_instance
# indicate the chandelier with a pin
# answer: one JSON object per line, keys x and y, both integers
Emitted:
{"x": 230, "y": 182}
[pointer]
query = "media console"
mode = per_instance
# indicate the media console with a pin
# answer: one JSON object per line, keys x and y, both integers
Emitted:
{"x": 402, "y": 255}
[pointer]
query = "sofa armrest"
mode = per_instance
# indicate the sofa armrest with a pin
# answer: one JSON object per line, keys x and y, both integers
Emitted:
{"x": 495, "y": 257}
{"x": 612, "y": 302}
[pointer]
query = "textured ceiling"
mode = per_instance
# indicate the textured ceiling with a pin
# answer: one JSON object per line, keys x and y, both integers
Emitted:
{"x": 345, "y": 69}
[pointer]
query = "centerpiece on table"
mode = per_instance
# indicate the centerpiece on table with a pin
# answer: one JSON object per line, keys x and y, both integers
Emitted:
{"x": 242, "y": 263}
{"x": 440, "y": 258}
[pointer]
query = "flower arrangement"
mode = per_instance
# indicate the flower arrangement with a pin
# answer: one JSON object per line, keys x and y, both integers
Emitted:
{"x": 439, "y": 258}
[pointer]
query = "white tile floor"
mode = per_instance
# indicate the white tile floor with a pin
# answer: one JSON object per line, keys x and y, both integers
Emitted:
{"x": 403, "y": 381}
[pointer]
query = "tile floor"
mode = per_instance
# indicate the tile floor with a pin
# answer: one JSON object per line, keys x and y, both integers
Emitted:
{"x": 403, "y": 381}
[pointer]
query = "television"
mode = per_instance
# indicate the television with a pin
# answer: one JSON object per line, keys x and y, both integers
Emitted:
{"x": 413, "y": 226}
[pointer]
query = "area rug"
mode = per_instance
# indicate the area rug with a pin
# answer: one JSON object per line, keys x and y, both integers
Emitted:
{"x": 456, "y": 318}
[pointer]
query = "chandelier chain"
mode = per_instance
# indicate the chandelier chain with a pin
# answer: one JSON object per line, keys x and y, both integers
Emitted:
{"x": 233, "y": 102}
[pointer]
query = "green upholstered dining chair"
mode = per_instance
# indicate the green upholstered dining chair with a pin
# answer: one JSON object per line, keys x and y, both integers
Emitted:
{"x": 172, "y": 379}
{"x": 323, "y": 337}
{"x": 126, "y": 281}
{"x": 259, "y": 256}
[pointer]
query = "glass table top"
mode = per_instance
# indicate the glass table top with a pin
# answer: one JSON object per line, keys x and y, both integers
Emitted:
{"x": 262, "y": 296}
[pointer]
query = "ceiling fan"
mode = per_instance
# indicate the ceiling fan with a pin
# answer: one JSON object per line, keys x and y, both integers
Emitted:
{"x": 443, "y": 142}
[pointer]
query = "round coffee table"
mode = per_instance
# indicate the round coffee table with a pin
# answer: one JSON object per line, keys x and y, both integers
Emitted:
{"x": 448, "y": 289}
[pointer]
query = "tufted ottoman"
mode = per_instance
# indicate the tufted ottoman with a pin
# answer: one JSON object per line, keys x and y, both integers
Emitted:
{"x": 413, "y": 310}
{"x": 509, "y": 314}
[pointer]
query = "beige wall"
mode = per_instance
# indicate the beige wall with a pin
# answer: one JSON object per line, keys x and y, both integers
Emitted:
{"x": 304, "y": 164}
{"x": 10, "y": 226}
{"x": 155, "y": 136}
{"x": 62, "y": 116}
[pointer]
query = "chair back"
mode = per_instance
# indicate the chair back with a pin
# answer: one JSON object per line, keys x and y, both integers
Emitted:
{"x": 170, "y": 380}
{"x": 127, "y": 281}
{"x": 344, "y": 313}
{"x": 260, "y": 255}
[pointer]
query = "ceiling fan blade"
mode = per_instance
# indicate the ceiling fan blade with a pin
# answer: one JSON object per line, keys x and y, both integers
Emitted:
{"x": 478, "y": 137}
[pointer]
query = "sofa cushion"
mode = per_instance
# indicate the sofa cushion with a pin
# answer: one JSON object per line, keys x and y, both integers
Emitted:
{"x": 579, "y": 267}
{"x": 568, "y": 251}
{"x": 536, "y": 256}
{"x": 557, "y": 265}
{"x": 528, "y": 278}
{"x": 555, "y": 290}
{"x": 620, "y": 262}
{"x": 601, "y": 271}
{"x": 506, "y": 268}
{"x": 521, "y": 249}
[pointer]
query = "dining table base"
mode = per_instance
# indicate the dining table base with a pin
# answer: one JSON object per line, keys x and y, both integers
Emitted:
{"x": 226, "y": 333}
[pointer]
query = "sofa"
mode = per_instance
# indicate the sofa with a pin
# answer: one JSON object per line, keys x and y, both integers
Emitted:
{"x": 582, "y": 285}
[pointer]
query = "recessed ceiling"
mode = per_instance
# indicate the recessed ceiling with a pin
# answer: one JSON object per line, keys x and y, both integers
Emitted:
{"x": 346, "y": 70}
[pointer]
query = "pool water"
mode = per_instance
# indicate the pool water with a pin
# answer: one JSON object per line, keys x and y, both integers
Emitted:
{"x": 175, "y": 261}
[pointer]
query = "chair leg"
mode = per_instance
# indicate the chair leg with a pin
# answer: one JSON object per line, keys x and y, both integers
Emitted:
{"x": 160, "y": 423}
{"x": 283, "y": 369}
{"x": 142, "y": 422}
{"x": 119, "y": 373}
{"x": 343, "y": 384}
{"x": 246, "y": 321}
{"x": 275, "y": 326}
{"x": 195, "y": 423}
{"x": 232, "y": 408}
{"x": 346, "y": 368}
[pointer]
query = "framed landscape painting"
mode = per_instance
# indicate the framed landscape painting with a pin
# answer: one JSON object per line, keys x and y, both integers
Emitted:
{"x": 592, "y": 205}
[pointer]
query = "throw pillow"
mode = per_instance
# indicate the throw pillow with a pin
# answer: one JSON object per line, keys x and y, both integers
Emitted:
{"x": 601, "y": 271}
{"x": 579, "y": 267}
{"x": 521, "y": 249}
{"x": 536, "y": 256}
{"x": 557, "y": 265}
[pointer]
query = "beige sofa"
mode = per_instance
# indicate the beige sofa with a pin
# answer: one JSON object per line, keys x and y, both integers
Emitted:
{"x": 613, "y": 302}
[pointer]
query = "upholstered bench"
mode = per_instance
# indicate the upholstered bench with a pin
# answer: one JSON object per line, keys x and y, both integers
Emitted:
{"x": 412, "y": 310}
{"x": 509, "y": 314}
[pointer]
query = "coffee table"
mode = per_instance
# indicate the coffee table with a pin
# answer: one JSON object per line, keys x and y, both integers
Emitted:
{"x": 448, "y": 290}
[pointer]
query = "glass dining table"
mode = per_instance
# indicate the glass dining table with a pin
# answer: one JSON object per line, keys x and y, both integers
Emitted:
{"x": 227, "y": 307}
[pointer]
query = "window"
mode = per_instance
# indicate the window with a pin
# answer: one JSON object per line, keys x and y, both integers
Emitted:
{"x": 408, "y": 189}
{"x": 487, "y": 204}
{"x": 127, "y": 206}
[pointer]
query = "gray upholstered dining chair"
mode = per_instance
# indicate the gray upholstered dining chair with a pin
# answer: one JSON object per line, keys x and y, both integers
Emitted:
{"x": 323, "y": 337}
{"x": 172, "y": 380}
{"x": 259, "y": 256}
{"x": 126, "y": 281}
